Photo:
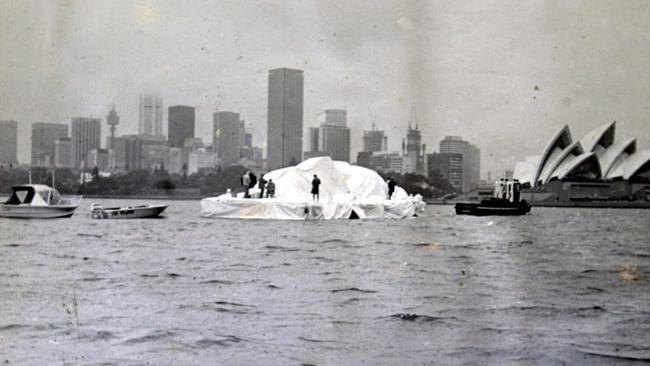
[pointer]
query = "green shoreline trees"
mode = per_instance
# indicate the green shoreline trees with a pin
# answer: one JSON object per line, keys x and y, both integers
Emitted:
{"x": 160, "y": 182}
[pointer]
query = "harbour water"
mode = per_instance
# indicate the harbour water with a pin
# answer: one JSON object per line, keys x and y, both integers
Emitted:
{"x": 559, "y": 286}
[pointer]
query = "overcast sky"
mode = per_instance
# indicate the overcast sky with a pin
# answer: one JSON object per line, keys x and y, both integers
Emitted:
{"x": 503, "y": 74}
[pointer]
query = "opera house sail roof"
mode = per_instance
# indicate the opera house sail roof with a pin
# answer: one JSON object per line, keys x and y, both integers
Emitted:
{"x": 597, "y": 156}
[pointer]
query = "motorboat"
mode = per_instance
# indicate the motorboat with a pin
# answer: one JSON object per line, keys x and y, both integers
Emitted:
{"x": 127, "y": 212}
{"x": 37, "y": 201}
{"x": 505, "y": 202}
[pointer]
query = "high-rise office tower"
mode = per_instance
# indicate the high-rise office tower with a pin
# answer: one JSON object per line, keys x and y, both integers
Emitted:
{"x": 43, "y": 137}
{"x": 8, "y": 142}
{"x": 374, "y": 140}
{"x": 471, "y": 159}
{"x": 226, "y": 139}
{"x": 150, "y": 115}
{"x": 180, "y": 125}
{"x": 86, "y": 135}
{"x": 414, "y": 149}
{"x": 285, "y": 117}
{"x": 113, "y": 120}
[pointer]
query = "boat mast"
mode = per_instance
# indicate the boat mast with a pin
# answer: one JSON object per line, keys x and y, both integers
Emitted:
{"x": 53, "y": 178}
{"x": 30, "y": 176}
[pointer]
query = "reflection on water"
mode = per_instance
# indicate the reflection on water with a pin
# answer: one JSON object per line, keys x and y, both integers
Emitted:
{"x": 559, "y": 285}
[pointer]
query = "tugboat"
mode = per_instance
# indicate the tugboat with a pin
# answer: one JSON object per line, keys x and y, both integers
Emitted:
{"x": 505, "y": 202}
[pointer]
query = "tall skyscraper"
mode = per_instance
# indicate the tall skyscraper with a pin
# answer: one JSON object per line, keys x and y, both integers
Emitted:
{"x": 86, "y": 135}
{"x": 151, "y": 111}
{"x": 285, "y": 117}
{"x": 471, "y": 159}
{"x": 180, "y": 125}
{"x": 413, "y": 149}
{"x": 226, "y": 139}
{"x": 43, "y": 137}
{"x": 8, "y": 142}
{"x": 374, "y": 140}
{"x": 113, "y": 120}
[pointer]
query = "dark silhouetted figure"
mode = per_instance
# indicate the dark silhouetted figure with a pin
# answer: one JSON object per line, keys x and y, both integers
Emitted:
{"x": 391, "y": 187}
{"x": 252, "y": 183}
{"x": 262, "y": 185}
{"x": 315, "y": 184}
{"x": 270, "y": 189}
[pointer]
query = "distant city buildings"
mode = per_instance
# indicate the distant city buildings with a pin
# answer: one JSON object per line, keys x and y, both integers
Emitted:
{"x": 471, "y": 159}
{"x": 227, "y": 136}
{"x": 98, "y": 158}
{"x": 332, "y": 138}
{"x": 248, "y": 154}
{"x": 202, "y": 159}
{"x": 181, "y": 121}
{"x": 374, "y": 140}
{"x": 43, "y": 137}
{"x": 8, "y": 142}
{"x": 86, "y": 135}
{"x": 112, "y": 120}
{"x": 413, "y": 151}
{"x": 458, "y": 161}
{"x": 336, "y": 117}
{"x": 232, "y": 143}
{"x": 63, "y": 152}
{"x": 151, "y": 112}
{"x": 375, "y": 156}
{"x": 449, "y": 166}
{"x": 285, "y": 117}
{"x": 386, "y": 161}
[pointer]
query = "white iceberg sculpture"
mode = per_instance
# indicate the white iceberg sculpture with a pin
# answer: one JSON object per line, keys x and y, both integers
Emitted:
{"x": 346, "y": 191}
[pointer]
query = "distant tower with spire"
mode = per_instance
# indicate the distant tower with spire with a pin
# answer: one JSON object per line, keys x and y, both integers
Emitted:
{"x": 113, "y": 120}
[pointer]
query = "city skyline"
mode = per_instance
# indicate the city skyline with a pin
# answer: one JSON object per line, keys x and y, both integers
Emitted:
{"x": 521, "y": 67}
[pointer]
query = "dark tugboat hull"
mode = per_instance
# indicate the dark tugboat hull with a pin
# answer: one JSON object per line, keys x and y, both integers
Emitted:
{"x": 493, "y": 208}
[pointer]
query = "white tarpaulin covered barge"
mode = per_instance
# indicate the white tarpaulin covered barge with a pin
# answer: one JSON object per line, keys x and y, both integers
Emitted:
{"x": 346, "y": 191}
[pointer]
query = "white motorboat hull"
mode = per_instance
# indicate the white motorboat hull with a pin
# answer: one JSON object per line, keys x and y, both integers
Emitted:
{"x": 37, "y": 212}
{"x": 135, "y": 212}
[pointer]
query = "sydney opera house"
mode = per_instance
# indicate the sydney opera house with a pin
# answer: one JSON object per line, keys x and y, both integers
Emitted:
{"x": 596, "y": 170}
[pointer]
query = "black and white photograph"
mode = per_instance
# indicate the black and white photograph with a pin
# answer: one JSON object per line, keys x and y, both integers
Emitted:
{"x": 324, "y": 182}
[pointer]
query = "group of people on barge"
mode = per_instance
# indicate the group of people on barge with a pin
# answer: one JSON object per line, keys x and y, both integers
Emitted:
{"x": 249, "y": 180}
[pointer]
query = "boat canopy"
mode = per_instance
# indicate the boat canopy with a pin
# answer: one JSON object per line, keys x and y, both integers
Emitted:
{"x": 33, "y": 194}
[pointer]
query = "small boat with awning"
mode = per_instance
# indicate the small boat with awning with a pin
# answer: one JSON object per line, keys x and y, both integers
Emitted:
{"x": 37, "y": 201}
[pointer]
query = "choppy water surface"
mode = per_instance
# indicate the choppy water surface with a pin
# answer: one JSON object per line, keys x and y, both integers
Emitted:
{"x": 558, "y": 286}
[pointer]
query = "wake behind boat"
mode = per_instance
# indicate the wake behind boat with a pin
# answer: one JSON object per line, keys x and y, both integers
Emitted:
{"x": 37, "y": 201}
{"x": 127, "y": 212}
